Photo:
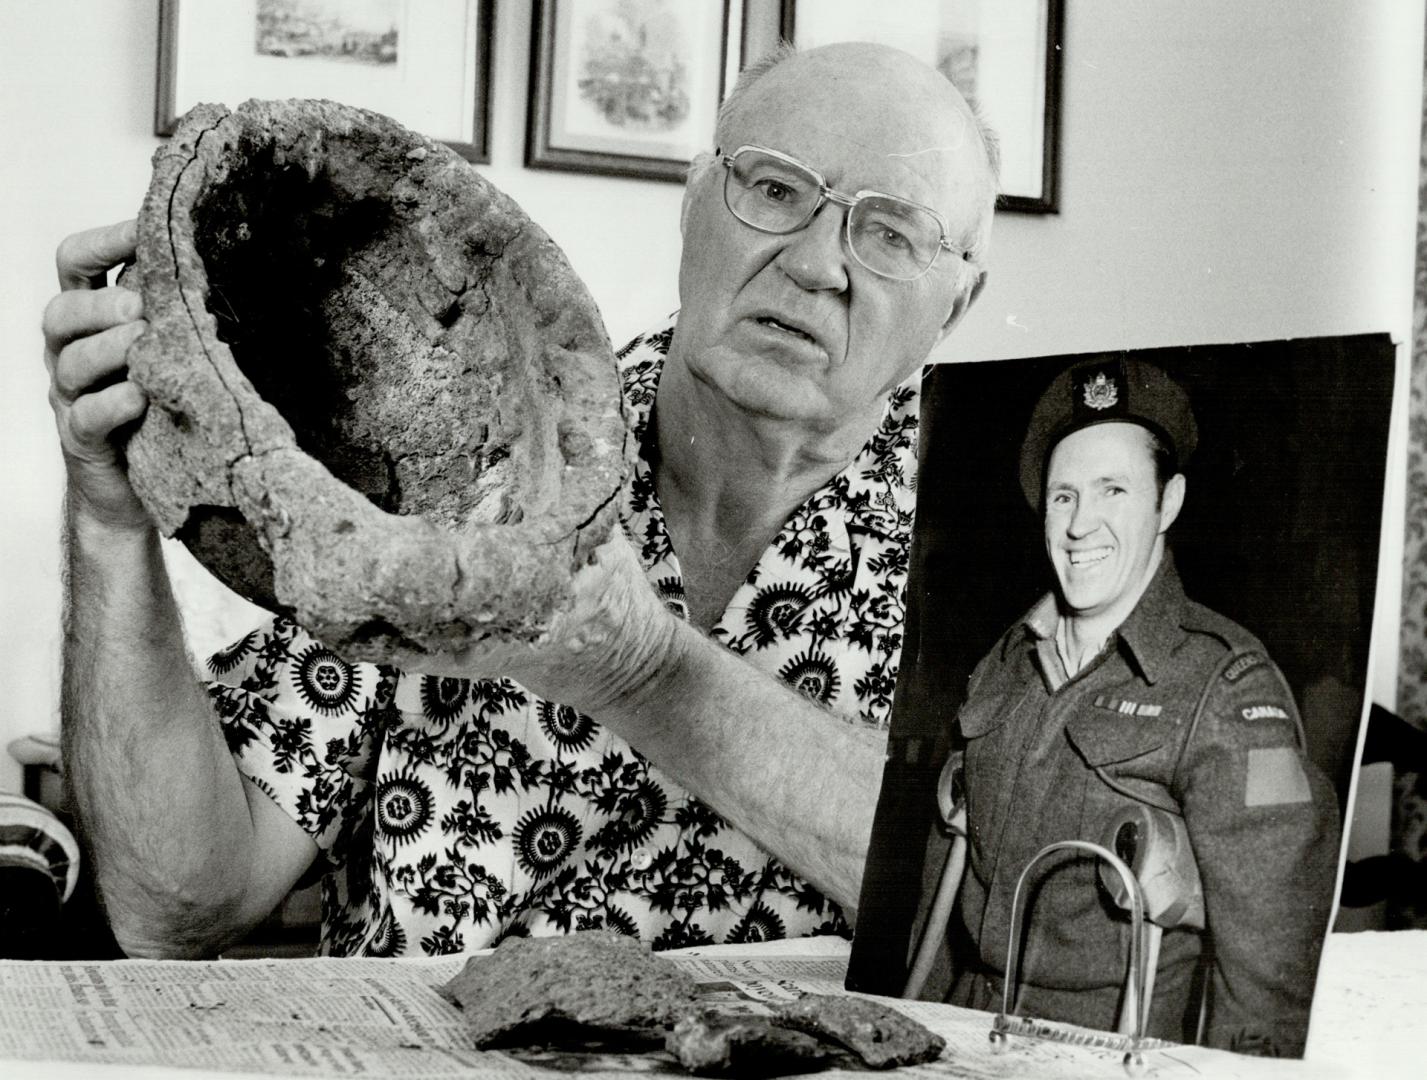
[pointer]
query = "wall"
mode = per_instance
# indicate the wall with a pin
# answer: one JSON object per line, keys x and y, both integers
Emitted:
{"x": 1229, "y": 172}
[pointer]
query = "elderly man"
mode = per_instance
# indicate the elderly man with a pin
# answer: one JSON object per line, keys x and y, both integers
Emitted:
{"x": 652, "y": 767}
{"x": 1120, "y": 712}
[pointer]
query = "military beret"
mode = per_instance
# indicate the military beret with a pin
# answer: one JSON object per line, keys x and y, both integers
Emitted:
{"x": 1102, "y": 390}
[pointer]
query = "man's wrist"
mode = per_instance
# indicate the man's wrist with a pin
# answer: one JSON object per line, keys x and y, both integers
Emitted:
{"x": 644, "y": 669}
{"x": 97, "y": 547}
{"x": 92, "y": 525}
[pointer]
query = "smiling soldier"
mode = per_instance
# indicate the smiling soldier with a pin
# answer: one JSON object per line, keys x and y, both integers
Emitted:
{"x": 1118, "y": 700}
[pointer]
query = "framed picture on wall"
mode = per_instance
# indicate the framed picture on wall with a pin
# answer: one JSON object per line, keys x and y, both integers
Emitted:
{"x": 425, "y": 63}
{"x": 1004, "y": 55}
{"x": 625, "y": 87}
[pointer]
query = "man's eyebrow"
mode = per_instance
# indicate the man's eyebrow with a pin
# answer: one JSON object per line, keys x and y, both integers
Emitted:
{"x": 1106, "y": 478}
{"x": 1113, "y": 478}
{"x": 927, "y": 150}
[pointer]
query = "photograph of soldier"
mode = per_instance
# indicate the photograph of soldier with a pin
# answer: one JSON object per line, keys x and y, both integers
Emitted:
{"x": 1205, "y": 557}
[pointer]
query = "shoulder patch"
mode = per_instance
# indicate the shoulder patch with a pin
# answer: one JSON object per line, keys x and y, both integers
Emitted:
{"x": 1264, "y": 712}
{"x": 1243, "y": 665}
{"x": 1275, "y": 777}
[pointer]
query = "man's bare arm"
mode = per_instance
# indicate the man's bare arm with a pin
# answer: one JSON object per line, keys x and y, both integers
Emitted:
{"x": 801, "y": 781}
{"x": 187, "y": 854}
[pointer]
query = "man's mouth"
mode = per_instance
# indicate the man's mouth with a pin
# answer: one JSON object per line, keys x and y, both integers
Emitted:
{"x": 1088, "y": 557}
{"x": 776, "y": 324}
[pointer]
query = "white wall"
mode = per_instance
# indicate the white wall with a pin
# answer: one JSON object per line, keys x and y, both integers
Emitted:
{"x": 1229, "y": 171}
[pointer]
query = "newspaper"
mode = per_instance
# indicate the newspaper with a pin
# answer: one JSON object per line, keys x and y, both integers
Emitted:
{"x": 365, "y": 1017}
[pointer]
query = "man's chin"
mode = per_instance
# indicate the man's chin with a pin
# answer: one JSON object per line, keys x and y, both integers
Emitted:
{"x": 775, "y": 392}
{"x": 1077, "y": 599}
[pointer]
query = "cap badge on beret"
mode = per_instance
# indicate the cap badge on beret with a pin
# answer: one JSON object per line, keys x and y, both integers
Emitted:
{"x": 1101, "y": 392}
{"x": 1113, "y": 387}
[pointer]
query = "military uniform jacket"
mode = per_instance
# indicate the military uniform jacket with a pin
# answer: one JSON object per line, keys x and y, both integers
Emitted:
{"x": 1184, "y": 710}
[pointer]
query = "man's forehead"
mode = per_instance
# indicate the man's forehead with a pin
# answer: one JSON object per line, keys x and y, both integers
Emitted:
{"x": 1111, "y": 449}
{"x": 951, "y": 150}
{"x": 858, "y": 98}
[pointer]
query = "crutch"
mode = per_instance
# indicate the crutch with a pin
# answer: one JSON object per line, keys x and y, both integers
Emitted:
{"x": 952, "y": 809}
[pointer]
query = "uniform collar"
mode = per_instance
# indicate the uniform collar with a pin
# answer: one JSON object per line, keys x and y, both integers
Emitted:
{"x": 1154, "y": 628}
{"x": 1151, "y": 631}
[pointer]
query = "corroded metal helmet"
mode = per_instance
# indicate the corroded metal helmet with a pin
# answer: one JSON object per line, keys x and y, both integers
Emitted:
{"x": 381, "y": 401}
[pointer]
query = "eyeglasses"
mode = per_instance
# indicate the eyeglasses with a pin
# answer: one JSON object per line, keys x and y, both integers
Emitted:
{"x": 775, "y": 193}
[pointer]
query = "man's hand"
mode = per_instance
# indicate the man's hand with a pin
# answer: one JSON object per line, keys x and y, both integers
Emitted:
{"x": 612, "y": 640}
{"x": 88, "y": 329}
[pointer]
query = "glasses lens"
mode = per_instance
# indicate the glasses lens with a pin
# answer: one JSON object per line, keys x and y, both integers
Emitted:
{"x": 893, "y": 237}
{"x": 769, "y": 193}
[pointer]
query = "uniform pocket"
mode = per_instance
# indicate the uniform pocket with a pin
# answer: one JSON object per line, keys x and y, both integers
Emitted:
{"x": 982, "y": 715}
{"x": 1105, "y": 738}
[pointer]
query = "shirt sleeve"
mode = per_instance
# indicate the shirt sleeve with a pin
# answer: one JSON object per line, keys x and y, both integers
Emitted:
{"x": 1263, "y": 823}
{"x": 304, "y": 725}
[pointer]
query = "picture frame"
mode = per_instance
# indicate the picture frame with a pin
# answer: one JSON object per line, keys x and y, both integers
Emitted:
{"x": 424, "y": 63}
{"x": 1004, "y": 55}
{"x": 1280, "y": 532}
{"x": 599, "y": 104}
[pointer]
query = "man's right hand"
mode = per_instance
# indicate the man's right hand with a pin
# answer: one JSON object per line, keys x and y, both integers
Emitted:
{"x": 88, "y": 329}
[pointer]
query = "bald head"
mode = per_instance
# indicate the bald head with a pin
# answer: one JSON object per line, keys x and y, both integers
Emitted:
{"x": 883, "y": 99}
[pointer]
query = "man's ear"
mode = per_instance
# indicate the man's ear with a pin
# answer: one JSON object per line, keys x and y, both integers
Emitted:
{"x": 685, "y": 204}
{"x": 697, "y": 168}
{"x": 964, "y": 299}
{"x": 1171, "y": 502}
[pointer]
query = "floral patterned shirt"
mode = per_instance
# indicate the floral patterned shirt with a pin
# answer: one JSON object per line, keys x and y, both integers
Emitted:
{"x": 452, "y": 813}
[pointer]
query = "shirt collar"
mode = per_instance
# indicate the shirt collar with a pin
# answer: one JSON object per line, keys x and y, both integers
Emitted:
{"x": 1041, "y": 619}
{"x": 1151, "y": 631}
{"x": 879, "y": 487}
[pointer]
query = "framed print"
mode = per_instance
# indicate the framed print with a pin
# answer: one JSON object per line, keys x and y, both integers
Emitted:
{"x": 1003, "y": 55}
{"x": 424, "y": 63}
{"x": 625, "y": 87}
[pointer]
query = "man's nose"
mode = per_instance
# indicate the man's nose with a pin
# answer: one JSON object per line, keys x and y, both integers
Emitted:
{"x": 814, "y": 256}
{"x": 1084, "y": 519}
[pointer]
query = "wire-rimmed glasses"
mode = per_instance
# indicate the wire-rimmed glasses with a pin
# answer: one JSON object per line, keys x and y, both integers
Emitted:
{"x": 889, "y": 235}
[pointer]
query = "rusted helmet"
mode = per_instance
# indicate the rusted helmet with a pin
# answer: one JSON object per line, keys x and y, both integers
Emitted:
{"x": 381, "y": 402}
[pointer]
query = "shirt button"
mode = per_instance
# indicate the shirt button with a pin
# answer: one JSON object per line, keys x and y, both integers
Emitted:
{"x": 641, "y": 859}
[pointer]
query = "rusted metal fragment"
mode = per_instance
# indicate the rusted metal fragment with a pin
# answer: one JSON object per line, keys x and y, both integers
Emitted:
{"x": 593, "y": 984}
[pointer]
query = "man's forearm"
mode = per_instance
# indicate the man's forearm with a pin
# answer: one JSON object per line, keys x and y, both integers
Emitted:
{"x": 161, "y": 805}
{"x": 802, "y": 782}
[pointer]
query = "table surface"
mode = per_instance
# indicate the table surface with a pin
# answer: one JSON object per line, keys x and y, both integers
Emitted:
{"x": 1367, "y": 1017}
